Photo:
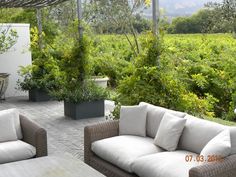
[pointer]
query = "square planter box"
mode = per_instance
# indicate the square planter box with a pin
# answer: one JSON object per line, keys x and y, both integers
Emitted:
{"x": 84, "y": 110}
{"x": 37, "y": 95}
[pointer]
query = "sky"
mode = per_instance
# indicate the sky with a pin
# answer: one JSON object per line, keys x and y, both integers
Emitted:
{"x": 175, "y": 8}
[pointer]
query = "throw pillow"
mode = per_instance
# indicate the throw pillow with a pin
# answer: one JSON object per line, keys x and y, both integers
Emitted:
{"x": 219, "y": 146}
{"x": 7, "y": 127}
{"x": 133, "y": 120}
{"x": 169, "y": 132}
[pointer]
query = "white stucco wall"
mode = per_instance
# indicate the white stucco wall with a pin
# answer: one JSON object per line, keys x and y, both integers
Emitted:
{"x": 18, "y": 55}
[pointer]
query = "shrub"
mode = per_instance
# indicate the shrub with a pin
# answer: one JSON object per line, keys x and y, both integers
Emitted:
{"x": 156, "y": 80}
{"x": 87, "y": 92}
{"x": 110, "y": 56}
{"x": 76, "y": 86}
{"x": 43, "y": 74}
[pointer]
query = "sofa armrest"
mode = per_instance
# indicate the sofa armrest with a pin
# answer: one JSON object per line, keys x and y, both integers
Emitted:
{"x": 226, "y": 168}
{"x": 34, "y": 135}
{"x": 97, "y": 132}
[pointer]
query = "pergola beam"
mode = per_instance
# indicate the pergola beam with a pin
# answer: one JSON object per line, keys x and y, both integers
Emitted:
{"x": 28, "y": 3}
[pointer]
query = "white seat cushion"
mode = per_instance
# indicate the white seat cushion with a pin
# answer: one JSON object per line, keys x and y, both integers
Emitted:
{"x": 197, "y": 133}
{"x": 155, "y": 115}
{"x": 164, "y": 164}
{"x": 123, "y": 150}
{"x": 16, "y": 150}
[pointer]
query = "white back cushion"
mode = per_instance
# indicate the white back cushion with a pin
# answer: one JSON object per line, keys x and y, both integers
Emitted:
{"x": 7, "y": 127}
{"x": 16, "y": 117}
{"x": 133, "y": 120}
{"x": 155, "y": 115}
{"x": 197, "y": 133}
{"x": 169, "y": 132}
{"x": 219, "y": 146}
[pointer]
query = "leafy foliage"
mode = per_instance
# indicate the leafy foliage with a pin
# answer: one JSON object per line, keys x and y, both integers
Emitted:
{"x": 77, "y": 86}
{"x": 109, "y": 58}
{"x": 8, "y": 39}
{"x": 44, "y": 73}
{"x": 86, "y": 92}
{"x": 214, "y": 18}
{"x": 196, "y": 74}
{"x": 226, "y": 11}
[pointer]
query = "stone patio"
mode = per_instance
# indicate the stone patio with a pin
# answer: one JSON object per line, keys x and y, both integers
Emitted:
{"x": 65, "y": 136}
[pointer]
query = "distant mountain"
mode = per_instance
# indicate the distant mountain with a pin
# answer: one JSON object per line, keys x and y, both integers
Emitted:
{"x": 173, "y": 8}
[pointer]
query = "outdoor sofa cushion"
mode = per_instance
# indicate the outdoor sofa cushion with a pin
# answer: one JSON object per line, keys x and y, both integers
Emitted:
{"x": 16, "y": 150}
{"x": 133, "y": 120}
{"x": 169, "y": 132}
{"x": 197, "y": 133}
{"x": 154, "y": 117}
{"x": 7, "y": 127}
{"x": 122, "y": 151}
{"x": 14, "y": 113}
{"x": 164, "y": 164}
{"x": 219, "y": 146}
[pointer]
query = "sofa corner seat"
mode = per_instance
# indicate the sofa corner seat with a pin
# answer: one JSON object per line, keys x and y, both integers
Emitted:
{"x": 32, "y": 143}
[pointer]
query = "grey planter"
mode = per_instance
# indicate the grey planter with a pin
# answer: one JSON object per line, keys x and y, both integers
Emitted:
{"x": 37, "y": 95}
{"x": 84, "y": 110}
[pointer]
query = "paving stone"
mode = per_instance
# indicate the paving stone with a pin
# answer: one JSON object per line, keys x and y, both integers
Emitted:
{"x": 65, "y": 136}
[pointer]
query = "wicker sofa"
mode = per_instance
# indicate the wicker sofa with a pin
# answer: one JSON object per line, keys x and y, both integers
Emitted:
{"x": 110, "y": 129}
{"x": 35, "y": 135}
{"x": 30, "y": 143}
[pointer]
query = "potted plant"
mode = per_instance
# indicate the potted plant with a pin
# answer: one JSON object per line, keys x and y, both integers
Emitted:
{"x": 101, "y": 81}
{"x": 40, "y": 78}
{"x": 82, "y": 97}
{"x": 8, "y": 39}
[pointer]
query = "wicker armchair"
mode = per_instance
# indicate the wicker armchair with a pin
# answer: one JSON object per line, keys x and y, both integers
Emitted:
{"x": 110, "y": 129}
{"x": 34, "y": 135}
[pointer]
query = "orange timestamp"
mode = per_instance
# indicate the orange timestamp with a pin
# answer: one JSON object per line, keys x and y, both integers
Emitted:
{"x": 202, "y": 158}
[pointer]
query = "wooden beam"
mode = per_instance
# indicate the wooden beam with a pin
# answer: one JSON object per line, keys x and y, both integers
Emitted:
{"x": 28, "y": 3}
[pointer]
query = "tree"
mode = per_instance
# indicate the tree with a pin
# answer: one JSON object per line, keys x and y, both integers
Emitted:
{"x": 226, "y": 11}
{"x": 116, "y": 15}
{"x": 8, "y": 39}
{"x": 204, "y": 21}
